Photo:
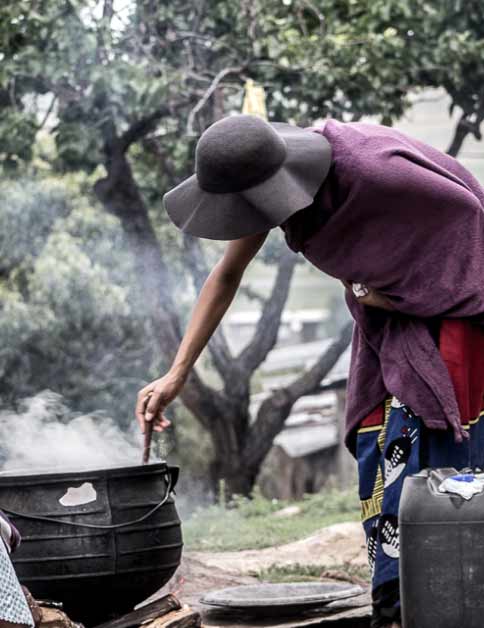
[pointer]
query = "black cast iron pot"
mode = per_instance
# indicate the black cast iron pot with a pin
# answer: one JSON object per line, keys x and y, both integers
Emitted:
{"x": 101, "y": 557}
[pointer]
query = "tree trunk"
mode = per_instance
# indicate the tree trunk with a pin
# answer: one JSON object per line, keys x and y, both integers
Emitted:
{"x": 466, "y": 126}
{"x": 230, "y": 477}
{"x": 461, "y": 131}
{"x": 229, "y": 436}
{"x": 119, "y": 194}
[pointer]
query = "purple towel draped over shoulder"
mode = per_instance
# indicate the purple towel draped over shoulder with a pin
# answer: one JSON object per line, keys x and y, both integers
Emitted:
{"x": 408, "y": 221}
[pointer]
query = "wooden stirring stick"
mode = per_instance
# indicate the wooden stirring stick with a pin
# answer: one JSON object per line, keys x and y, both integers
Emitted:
{"x": 147, "y": 437}
{"x": 147, "y": 441}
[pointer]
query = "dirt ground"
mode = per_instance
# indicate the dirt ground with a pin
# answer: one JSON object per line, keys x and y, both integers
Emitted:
{"x": 342, "y": 543}
{"x": 201, "y": 572}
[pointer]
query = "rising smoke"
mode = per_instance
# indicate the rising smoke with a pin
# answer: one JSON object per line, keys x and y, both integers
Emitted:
{"x": 44, "y": 435}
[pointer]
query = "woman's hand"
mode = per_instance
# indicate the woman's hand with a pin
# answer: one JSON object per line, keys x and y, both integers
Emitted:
{"x": 154, "y": 398}
{"x": 367, "y": 296}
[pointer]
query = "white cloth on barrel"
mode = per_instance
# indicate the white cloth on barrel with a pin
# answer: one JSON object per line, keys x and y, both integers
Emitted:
{"x": 13, "y": 605}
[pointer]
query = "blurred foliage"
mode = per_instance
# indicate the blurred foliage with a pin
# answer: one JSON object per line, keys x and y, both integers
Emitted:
{"x": 28, "y": 214}
{"x": 103, "y": 66}
{"x": 83, "y": 70}
{"x": 68, "y": 301}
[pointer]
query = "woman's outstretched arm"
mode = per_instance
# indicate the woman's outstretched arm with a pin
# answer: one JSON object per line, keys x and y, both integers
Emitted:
{"x": 213, "y": 301}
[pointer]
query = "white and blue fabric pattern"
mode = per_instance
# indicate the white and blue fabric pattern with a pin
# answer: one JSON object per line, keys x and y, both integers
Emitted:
{"x": 13, "y": 605}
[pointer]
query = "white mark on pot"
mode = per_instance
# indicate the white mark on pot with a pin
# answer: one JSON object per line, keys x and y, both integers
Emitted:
{"x": 84, "y": 494}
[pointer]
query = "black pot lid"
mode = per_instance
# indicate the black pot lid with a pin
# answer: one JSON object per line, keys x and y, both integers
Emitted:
{"x": 302, "y": 594}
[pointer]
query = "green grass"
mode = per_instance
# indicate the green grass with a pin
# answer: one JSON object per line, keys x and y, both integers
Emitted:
{"x": 251, "y": 524}
{"x": 309, "y": 573}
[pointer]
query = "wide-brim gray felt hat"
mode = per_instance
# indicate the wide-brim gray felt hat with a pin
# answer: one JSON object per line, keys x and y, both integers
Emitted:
{"x": 250, "y": 176}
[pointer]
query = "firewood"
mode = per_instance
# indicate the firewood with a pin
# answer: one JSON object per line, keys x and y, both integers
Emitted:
{"x": 184, "y": 618}
{"x": 53, "y": 618}
{"x": 146, "y": 613}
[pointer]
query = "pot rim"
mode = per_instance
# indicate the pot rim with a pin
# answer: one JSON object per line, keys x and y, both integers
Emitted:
{"x": 14, "y": 477}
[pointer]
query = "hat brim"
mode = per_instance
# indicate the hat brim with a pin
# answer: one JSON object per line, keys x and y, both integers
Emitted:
{"x": 262, "y": 207}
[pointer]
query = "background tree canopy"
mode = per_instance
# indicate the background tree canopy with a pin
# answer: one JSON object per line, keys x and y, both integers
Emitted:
{"x": 67, "y": 310}
{"x": 117, "y": 93}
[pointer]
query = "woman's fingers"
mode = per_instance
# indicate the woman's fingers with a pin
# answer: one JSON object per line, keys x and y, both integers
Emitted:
{"x": 162, "y": 420}
{"x": 147, "y": 410}
{"x": 154, "y": 405}
{"x": 142, "y": 400}
{"x": 161, "y": 423}
{"x": 152, "y": 401}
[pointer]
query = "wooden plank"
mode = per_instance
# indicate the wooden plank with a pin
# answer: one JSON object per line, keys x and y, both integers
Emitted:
{"x": 184, "y": 618}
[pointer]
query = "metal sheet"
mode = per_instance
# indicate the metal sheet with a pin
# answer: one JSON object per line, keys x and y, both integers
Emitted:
{"x": 281, "y": 596}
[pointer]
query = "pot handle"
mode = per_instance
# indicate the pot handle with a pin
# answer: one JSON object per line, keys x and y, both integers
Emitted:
{"x": 98, "y": 526}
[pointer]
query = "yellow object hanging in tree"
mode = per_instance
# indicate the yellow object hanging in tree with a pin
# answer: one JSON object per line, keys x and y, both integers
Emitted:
{"x": 254, "y": 100}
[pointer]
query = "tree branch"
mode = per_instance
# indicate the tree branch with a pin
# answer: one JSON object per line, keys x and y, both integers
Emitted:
{"x": 309, "y": 381}
{"x": 153, "y": 145}
{"x": 314, "y": 10}
{"x": 195, "y": 260}
{"x": 140, "y": 128}
{"x": 461, "y": 131}
{"x": 213, "y": 86}
{"x": 265, "y": 335}
{"x": 47, "y": 113}
{"x": 218, "y": 345}
{"x": 464, "y": 127}
{"x": 274, "y": 411}
{"x": 252, "y": 295}
{"x": 108, "y": 11}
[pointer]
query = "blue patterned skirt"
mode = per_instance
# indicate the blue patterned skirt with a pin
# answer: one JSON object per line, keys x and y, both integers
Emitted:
{"x": 400, "y": 446}
{"x": 13, "y": 605}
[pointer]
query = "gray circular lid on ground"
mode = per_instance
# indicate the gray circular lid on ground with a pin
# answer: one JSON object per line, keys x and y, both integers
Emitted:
{"x": 281, "y": 595}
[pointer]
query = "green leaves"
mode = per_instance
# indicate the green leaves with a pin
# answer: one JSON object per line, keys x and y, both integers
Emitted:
{"x": 28, "y": 212}
{"x": 343, "y": 58}
{"x": 18, "y": 131}
{"x": 68, "y": 305}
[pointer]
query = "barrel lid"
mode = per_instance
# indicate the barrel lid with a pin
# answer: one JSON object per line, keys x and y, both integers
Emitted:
{"x": 281, "y": 596}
